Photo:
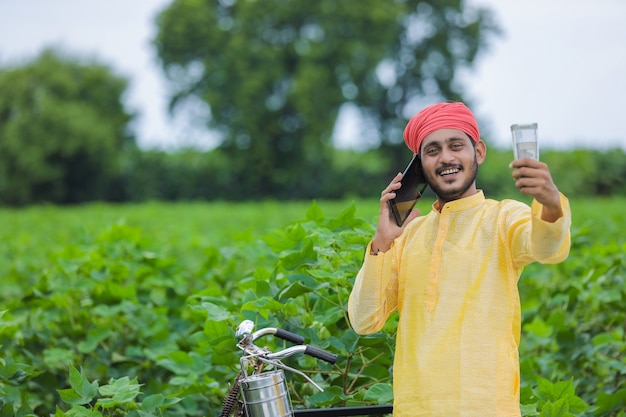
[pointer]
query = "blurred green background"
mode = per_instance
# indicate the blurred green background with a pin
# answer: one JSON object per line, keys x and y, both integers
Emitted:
{"x": 274, "y": 76}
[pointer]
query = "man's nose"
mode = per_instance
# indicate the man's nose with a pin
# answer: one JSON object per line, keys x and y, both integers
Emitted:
{"x": 447, "y": 156}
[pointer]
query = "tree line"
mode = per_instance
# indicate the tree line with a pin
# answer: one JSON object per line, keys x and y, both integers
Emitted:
{"x": 275, "y": 75}
{"x": 194, "y": 175}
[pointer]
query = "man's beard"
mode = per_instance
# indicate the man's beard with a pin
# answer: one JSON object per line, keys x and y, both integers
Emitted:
{"x": 454, "y": 193}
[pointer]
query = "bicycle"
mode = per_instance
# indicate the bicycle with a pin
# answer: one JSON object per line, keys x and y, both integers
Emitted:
{"x": 264, "y": 393}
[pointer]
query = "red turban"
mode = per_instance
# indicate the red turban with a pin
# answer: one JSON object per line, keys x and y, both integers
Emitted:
{"x": 450, "y": 115}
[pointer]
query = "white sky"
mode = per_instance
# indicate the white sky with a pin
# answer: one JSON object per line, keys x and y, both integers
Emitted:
{"x": 560, "y": 63}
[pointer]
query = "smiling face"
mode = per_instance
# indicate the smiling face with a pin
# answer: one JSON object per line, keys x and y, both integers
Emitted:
{"x": 450, "y": 160}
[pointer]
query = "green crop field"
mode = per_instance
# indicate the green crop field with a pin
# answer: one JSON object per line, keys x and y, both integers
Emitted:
{"x": 130, "y": 309}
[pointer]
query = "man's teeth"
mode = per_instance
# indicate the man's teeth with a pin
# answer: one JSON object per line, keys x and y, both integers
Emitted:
{"x": 449, "y": 171}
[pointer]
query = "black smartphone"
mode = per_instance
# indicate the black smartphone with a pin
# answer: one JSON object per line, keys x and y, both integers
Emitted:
{"x": 413, "y": 185}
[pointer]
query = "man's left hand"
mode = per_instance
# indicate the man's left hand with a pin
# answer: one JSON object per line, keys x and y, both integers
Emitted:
{"x": 533, "y": 178}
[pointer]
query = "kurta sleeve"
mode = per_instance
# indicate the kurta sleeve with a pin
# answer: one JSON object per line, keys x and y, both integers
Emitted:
{"x": 543, "y": 241}
{"x": 375, "y": 294}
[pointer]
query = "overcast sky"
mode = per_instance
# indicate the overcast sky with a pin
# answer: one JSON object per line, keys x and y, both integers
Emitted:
{"x": 560, "y": 63}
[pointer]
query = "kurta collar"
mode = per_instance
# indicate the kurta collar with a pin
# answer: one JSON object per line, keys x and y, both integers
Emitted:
{"x": 462, "y": 203}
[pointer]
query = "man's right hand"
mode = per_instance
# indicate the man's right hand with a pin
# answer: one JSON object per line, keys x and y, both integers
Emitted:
{"x": 387, "y": 230}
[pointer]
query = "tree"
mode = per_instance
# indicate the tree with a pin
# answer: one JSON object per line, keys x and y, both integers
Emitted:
{"x": 62, "y": 130}
{"x": 275, "y": 73}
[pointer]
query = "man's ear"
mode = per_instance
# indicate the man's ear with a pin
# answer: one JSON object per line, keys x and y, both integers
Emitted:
{"x": 481, "y": 152}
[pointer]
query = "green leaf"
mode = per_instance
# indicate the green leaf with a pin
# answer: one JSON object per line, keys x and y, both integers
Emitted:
{"x": 539, "y": 328}
{"x": 381, "y": 393}
{"x": 121, "y": 391}
{"x": 330, "y": 395}
{"x": 331, "y": 315}
{"x": 15, "y": 374}
{"x": 294, "y": 290}
{"x": 56, "y": 357}
{"x": 560, "y": 391}
{"x": 350, "y": 340}
{"x": 545, "y": 389}
{"x": 94, "y": 338}
{"x": 577, "y": 404}
{"x": 344, "y": 220}
{"x": 264, "y": 306}
{"x": 607, "y": 402}
{"x": 70, "y": 396}
{"x": 80, "y": 411}
{"x": 152, "y": 402}
{"x": 214, "y": 311}
{"x": 216, "y": 330}
{"x": 82, "y": 391}
{"x": 305, "y": 279}
{"x": 306, "y": 256}
{"x": 314, "y": 212}
{"x": 557, "y": 409}
{"x": 529, "y": 410}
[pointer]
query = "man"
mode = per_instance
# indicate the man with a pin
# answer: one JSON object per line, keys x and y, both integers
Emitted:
{"x": 452, "y": 274}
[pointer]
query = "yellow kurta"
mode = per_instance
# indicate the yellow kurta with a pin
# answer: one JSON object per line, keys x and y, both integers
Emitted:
{"x": 452, "y": 276}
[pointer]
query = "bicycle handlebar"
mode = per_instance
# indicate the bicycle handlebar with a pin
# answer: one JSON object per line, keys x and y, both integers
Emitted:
{"x": 321, "y": 354}
{"x": 244, "y": 332}
{"x": 288, "y": 336}
{"x": 307, "y": 350}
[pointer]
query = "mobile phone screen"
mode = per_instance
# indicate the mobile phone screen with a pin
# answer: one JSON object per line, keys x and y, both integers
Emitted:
{"x": 413, "y": 185}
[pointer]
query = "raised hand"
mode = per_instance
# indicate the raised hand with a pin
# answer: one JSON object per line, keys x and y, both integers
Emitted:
{"x": 387, "y": 230}
{"x": 533, "y": 177}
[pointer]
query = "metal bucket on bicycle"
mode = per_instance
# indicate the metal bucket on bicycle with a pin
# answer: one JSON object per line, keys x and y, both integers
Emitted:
{"x": 265, "y": 393}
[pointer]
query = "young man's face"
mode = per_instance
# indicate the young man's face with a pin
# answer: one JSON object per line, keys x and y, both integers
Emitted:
{"x": 450, "y": 163}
